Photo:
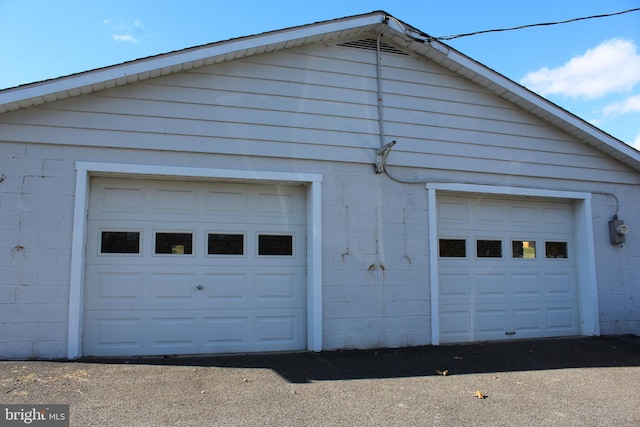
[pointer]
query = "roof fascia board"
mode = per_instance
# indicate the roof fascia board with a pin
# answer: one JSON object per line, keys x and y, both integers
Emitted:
{"x": 128, "y": 72}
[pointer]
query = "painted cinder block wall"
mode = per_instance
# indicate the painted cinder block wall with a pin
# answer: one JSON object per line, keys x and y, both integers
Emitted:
{"x": 618, "y": 266}
{"x": 375, "y": 234}
{"x": 375, "y": 292}
{"x": 375, "y": 251}
{"x": 36, "y": 216}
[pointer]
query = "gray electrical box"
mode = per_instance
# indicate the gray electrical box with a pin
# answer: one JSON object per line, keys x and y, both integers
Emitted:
{"x": 617, "y": 231}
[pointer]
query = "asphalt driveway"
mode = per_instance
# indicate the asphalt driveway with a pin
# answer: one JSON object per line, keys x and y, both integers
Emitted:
{"x": 565, "y": 382}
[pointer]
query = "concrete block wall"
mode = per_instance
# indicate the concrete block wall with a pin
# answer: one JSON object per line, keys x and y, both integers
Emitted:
{"x": 36, "y": 217}
{"x": 375, "y": 259}
{"x": 618, "y": 266}
{"x": 375, "y": 250}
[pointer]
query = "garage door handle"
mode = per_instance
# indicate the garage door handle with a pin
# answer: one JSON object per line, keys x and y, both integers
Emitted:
{"x": 199, "y": 287}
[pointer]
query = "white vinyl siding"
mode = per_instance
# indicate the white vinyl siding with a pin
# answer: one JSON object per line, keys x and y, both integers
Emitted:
{"x": 324, "y": 100}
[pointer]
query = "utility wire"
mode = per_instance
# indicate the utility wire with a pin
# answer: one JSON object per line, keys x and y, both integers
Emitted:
{"x": 457, "y": 36}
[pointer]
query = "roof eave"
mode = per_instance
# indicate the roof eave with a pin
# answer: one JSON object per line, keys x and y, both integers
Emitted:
{"x": 155, "y": 66}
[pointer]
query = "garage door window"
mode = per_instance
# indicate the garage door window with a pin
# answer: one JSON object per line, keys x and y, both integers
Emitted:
{"x": 120, "y": 242}
{"x": 523, "y": 249}
{"x": 452, "y": 248}
{"x": 225, "y": 244}
{"x": 275, "y": 244}
{"x": 556, "y": 250}
{"x": 489, "y": 248}
{"x": 174, "y": 243}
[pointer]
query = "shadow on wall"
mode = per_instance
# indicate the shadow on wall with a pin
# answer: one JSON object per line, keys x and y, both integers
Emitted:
{"x": 422, "y": 361}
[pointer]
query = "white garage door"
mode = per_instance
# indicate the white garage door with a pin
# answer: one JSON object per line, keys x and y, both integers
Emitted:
{"x": 506, "y": 269}
{"x": 194, "y": 267}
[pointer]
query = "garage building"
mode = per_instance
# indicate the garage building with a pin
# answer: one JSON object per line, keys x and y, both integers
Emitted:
{"x": 344, "y": 184}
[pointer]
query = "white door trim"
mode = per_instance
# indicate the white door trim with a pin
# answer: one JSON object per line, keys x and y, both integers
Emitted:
{"x": 585, "y": 252}
{"x": 84, "y": 170}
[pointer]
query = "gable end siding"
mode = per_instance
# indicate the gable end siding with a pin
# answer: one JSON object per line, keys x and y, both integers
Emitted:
{"x": 323, "y": 100}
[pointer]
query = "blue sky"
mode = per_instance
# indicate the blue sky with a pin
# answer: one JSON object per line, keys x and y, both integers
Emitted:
{"x": 591, "y": 68}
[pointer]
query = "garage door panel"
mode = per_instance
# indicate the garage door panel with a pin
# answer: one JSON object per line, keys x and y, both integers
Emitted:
{"x": 277, "y": 286}
{"x": 173, "y": 331}
{"x": 124, "y": 198}
{"x": 226, "y": 203}
{"x": 527, "y": 319}
{"x": 490, "y": 322}
{"x": 188, "y": 300}
{"x": 557, "y": 217}
{"x": 225, "y": 288}
{"x": 520, "y": 293}
{"x": 455, "y": 288}
{"x": 116, "y": 287}
{"x": 278, "y": 328}
{"x": 524, "y": 217}
{"x": 452, "y": 212}
{"x": 527, "y": 285}
{"x": 264, "y": 330}
{"x": 175, "y": 201}
{"x": 272, "y": 206}
{"x": 221, "y": 330}
{"x": 257, "y": 288}
{"x": 489, "y": 214}
{"x": 455, "y": 324}
{"x": 490, "y": 286}
{"x": 562, "y": 319}
{"x": 115, "y": 330}
{"x": 560, "y": 284}
{"x": 228, "y": 208}
{"x": 172, "y": 288}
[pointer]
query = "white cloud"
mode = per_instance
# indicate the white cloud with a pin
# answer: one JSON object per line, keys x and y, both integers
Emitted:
{"x": 125, "y": 38}
{"x": 629, "y": 105}
{"x": 138, "y": 24}
{"x": 128, "y": 32}
{"x": 612, "y": 66}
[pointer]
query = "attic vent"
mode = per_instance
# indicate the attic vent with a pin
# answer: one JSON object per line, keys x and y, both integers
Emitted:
{"x": 370, "y": 44}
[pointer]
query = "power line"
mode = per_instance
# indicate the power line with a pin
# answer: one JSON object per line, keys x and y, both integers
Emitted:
{"x": 457, "y": 36}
